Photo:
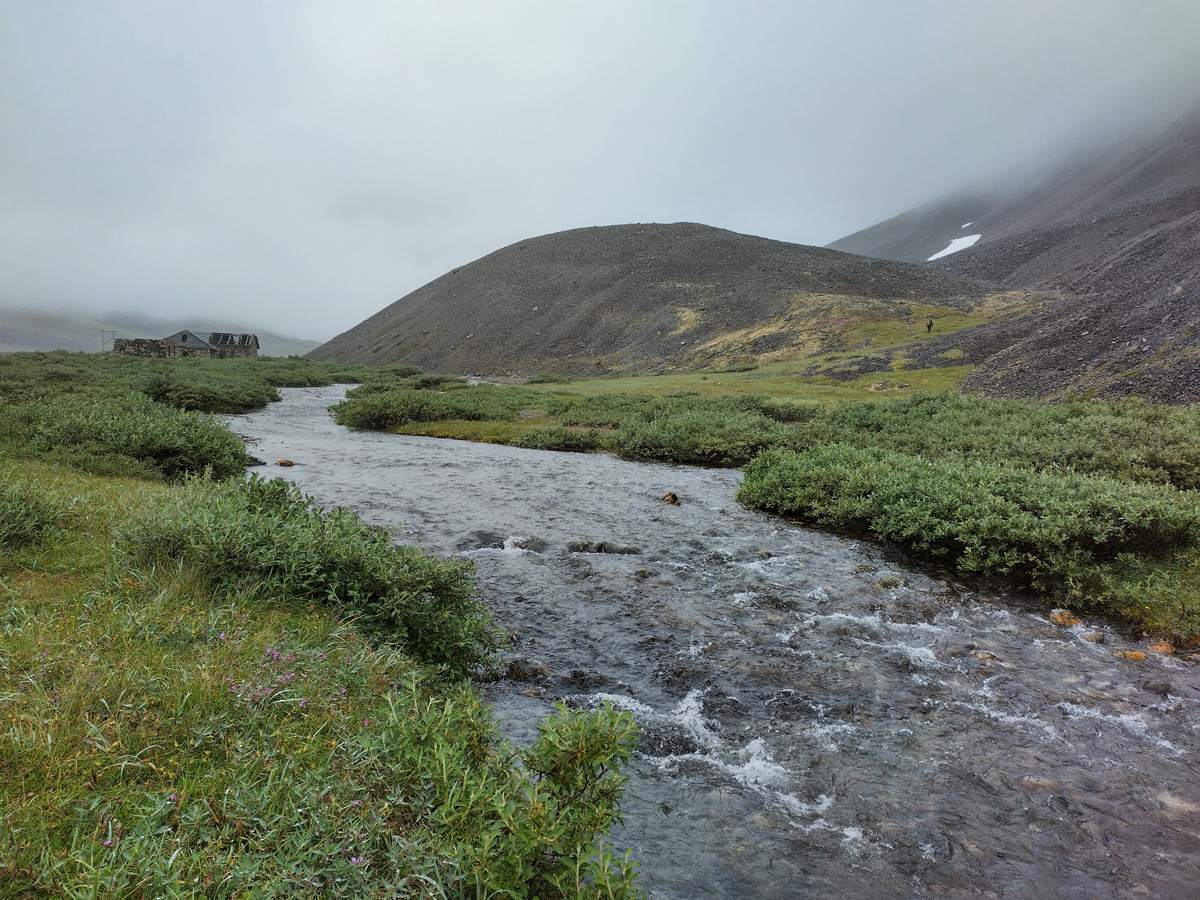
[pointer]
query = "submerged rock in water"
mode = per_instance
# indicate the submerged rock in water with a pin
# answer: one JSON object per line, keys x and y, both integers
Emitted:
{"x": 601, "y": 547}
{"x": 524, "y": 668}
{"x": 1063, "y": 617}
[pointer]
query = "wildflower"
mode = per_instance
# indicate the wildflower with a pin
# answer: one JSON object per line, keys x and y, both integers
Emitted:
{"x": 222, "y": 635}
{"x": 108, "y": 843}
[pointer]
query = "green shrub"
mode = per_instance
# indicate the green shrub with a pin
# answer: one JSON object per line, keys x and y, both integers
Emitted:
{"x": 213, "y": 394}
{"x": 532, "y": 837}
{"x": 700, "y": 436}
{"x": 558, "y": 438}
{"x": 392, "y": 408}
{"x": 1050, "y": 530}
{"x": 547, "y": 378}
{"x": 127, "y": 434}
{"x": 1127, "y": 440}
{"x": 267, "y": 533}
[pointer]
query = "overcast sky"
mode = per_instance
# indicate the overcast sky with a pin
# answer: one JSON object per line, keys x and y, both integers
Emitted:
{"x": 299, "y": 166}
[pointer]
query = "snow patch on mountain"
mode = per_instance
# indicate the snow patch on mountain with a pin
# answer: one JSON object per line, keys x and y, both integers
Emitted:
{"x": 957, "y": 244}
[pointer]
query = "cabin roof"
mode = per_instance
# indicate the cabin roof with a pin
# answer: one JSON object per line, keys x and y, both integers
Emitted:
{"x": 212, "y": 339}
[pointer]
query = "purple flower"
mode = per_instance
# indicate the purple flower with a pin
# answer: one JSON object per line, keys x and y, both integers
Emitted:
{"x": 222, "y": 635}
{"x": 108, "y": 843}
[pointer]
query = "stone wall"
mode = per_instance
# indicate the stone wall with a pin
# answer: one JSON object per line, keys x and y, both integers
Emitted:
{"x": 157, "y": 349}
{"x": 150, "y": 348}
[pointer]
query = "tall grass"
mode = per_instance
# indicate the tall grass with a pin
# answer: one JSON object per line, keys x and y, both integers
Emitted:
{"x": 159, "y": 738}
{"x": 124, "y": 435}
{"x": 27, "y": 513}
{"x": 1125, "y": 439}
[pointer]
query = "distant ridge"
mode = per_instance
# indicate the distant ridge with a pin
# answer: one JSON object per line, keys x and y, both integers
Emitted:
{"x": 639, "y": 298}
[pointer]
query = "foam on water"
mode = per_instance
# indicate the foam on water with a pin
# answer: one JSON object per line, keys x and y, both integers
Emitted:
{"x": 1130, "y": 724}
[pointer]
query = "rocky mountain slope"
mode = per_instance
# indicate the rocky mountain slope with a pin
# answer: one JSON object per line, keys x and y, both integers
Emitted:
{"x": 1117, "y": 235}
{"x": 642, "y": 298}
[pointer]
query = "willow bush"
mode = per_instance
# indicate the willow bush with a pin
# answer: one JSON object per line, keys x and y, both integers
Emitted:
{"x": 266, "y": 533}
{"x": 1054, "y": 531}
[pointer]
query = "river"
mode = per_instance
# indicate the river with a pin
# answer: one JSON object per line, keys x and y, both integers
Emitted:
{"x": 819, "y": 718}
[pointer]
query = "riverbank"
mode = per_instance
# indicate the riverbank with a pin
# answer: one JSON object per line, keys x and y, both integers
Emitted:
{"x": 253, "y": 720}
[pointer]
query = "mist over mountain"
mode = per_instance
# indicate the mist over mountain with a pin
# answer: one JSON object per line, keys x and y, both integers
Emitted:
{"x": 88, "y": 331}
{"x": 1093, "y": 182}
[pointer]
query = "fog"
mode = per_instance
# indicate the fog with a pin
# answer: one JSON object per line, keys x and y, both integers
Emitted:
{"x": 302, "y": 165}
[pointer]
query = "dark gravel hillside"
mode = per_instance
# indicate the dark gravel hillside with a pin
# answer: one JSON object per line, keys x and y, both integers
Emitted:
{"x": 627, "y": 298}
{"x": 1116, "y": 235}
{"x": 1132, "y": 324}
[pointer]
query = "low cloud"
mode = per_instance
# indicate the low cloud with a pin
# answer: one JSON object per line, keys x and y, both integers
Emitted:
{"x": 305, "y": 164}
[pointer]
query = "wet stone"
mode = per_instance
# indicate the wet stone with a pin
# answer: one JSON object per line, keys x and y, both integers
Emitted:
{"x": 1162, "y": 688}
{"x": 602, "y": 547}
{"x": 523, "y": 668}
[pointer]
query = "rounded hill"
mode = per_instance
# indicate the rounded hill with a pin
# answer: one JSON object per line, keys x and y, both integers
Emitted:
{"x": 642, "y": 298}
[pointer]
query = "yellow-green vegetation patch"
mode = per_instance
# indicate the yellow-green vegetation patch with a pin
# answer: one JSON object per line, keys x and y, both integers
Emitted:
{"x": 688, "y": 319}
{"x": 906, "y": 381}
{"x": 813, "y": 325}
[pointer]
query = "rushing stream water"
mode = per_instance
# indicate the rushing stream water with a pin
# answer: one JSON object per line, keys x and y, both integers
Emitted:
{"x": 819, "y": 719}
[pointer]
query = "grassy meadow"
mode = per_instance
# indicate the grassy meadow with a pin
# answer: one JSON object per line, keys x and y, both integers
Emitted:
{"x": 211, "y": 688}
